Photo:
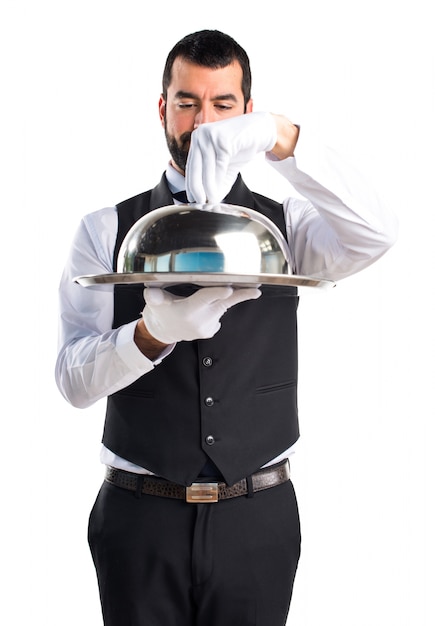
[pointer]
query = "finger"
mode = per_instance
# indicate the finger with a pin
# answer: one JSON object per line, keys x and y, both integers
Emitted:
{"x": 155, "y": 296}
{"x": 194, "y": 188}
{"x": 216, "y": 147}
{"x": 209, "y": 173}
{"x": 208, "y": 295}
{"x": 241, "y": 295}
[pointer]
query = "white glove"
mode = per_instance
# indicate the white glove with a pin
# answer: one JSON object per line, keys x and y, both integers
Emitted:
{"x": 170, "y": 318}
{"x": 218, "y": 150}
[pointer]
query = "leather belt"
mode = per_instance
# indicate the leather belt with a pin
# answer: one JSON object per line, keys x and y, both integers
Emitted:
{"x": 202, "y": 492}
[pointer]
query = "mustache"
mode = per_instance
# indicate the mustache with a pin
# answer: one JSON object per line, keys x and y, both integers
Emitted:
{"x": 185, "y": 138}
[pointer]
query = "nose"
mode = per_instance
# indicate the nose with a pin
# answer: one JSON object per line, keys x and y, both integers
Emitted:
{"x": 204, "y": 115}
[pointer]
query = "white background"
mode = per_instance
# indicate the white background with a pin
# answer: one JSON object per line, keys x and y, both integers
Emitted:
{"x": 81, "y": 82}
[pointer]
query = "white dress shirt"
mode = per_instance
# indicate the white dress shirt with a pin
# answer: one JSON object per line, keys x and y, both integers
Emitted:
{"x": 339, "y": 228}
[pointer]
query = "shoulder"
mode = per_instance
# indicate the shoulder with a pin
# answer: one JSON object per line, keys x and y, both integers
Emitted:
{"x": 101, "y": 220}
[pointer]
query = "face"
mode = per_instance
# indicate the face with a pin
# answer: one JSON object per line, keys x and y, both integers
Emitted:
{"x": 197, "y": 95}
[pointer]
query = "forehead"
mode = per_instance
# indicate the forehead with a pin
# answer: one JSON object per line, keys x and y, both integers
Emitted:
{"x": 198, "y": 79}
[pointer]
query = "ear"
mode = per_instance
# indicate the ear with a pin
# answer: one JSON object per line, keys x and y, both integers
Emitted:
{"x": 249, "y": 106}
{"x": 162, "y": 110}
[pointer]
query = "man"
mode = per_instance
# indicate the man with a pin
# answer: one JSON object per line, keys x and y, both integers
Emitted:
{"x": 201, "y": 383}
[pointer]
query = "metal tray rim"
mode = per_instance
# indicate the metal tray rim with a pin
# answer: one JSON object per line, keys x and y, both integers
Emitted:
{"x": 203, "y": 279}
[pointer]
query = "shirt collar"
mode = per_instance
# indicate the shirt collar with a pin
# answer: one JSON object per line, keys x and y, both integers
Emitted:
{"x": 176, "y": 181}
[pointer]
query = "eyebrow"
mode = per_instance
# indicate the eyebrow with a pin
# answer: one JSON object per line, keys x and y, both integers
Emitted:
{"x": 187, "y": 94}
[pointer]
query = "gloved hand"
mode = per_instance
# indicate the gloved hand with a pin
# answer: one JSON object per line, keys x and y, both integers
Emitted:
{"x": 170, "y": 318}
{"x": 218, "y": 150}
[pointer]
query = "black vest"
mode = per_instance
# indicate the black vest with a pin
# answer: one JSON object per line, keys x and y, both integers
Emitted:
{"x": 232, "y": 398}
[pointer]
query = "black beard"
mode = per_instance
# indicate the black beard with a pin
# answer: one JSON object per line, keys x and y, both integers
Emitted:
{"x": 178, "y": 149}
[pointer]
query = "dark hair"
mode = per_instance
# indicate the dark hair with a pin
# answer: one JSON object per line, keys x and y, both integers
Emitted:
{"x": 209, "y": 48}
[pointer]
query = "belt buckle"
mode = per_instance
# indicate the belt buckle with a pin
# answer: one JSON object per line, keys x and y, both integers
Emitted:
{"x": 199, "y": 493}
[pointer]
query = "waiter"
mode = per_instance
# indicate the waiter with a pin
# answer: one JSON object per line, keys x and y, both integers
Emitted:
{"x": 196, "y": 522}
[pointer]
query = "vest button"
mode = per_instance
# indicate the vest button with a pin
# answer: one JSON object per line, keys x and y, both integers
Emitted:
{"x": 209, "y": 440}
{"x": 207, "y": 361}
{"x": 209, "y": 401}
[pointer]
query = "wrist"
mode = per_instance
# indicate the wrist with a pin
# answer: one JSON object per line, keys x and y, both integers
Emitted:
{"x": 287, "y": 137}
{"x": 147, "y": 344}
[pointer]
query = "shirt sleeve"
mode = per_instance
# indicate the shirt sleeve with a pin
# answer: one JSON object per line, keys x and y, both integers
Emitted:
{"x": 338, "y": 225}
{"x": 94, "y": 360}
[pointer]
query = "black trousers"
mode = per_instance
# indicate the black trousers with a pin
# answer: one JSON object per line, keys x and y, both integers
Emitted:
{"x": 164, "y": 562}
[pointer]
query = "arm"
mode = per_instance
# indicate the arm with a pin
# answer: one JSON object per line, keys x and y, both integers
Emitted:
{"x": 342, "y": 226}
{"x": 95, "y": 360}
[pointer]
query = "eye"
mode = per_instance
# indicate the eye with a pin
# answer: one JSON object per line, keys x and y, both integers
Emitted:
{"x": 186, "y": 105}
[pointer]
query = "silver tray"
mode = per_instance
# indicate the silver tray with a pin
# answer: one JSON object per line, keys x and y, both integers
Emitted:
{"x": 202, "y": 279}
